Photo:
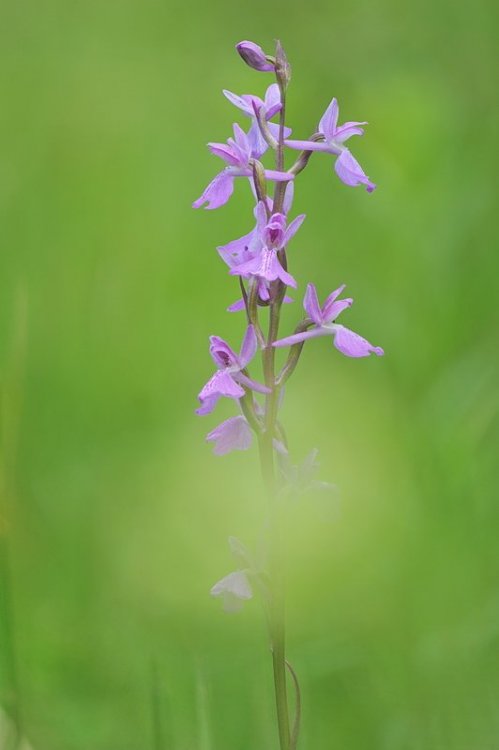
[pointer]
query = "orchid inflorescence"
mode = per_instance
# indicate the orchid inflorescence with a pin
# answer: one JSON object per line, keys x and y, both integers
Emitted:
{"x": 259, "y": 260}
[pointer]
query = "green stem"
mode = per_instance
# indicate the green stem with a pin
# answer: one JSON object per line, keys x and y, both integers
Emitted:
{"x": 296, "y": 723}
{"x": 276, "y": 567}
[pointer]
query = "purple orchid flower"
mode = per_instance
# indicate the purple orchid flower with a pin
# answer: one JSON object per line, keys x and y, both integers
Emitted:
{"x": 269, "y": 107}
{"x": 246, "y": 247}
{"x": 237, "y": 153}
{"x": 234, "y": 589}
{"x": 347, "y": 168}
{"x": 345, "y": 340}
{"x": 270, "y": 236}
{"x": 254, "y": 56}
{"x": 229, "y": 380}
{"x": 250, "y": 245}
{"x": 232, "y": 435}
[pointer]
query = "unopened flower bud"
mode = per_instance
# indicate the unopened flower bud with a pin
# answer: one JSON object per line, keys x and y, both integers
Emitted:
{"x": 259, "y": 180}
{"x": 255, "y": 57}
{"x": 282, "y": 67}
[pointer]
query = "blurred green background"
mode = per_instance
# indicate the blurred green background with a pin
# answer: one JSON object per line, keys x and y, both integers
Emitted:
{"x": 117, "y": 512}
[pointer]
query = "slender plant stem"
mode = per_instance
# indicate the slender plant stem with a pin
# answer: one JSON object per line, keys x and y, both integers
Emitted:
{"x": 296, "y": 723}
{"x": 266, "y": 449}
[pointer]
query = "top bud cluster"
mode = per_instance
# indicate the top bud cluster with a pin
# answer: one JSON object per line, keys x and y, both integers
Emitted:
{"x": 259, "y": 258}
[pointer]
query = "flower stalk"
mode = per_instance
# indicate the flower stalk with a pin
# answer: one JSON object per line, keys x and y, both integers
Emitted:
{"x": 260, "y": 261}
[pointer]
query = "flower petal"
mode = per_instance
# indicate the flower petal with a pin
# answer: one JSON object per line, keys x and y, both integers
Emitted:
{"x": 272, "y": 96}
{"x": 331, "y": 312}
{"x": 240, "y": 250}
{"x": 241, "y": 139}
{"x": 293, "y": 228}
{"x": 249, "y": 347}
{"x": 312, "y": 306}
{"x": 236, "y": 583}
{"x": 238, "y": 102}
{"x": 237, "y": 306}
{"x": 232, "y": 435}
{"x": 350, "y": 172}
{"x": 274, "y": 130}
{"x": 288, "y": 197}
{"x": 329, "y": 120}
{"x": 208, "y": 404}
{"x": 297, "y": 338}
{"x": 347, "y": 130}
{"x": 352, "y": 345}
{"x": 265, "y": 266}
{"x": 331, "y": 298}
{"x": 225, "y": 152}
{"x": 250, "y": 383}
{"x": 234, "y": 590}
{"x": 271, "y": 174}
{"x": 310, "y": 146}
{"x": 218, "y": 191}
{"x": 220, "y": 384}
{"x": 222, "y": 354}
{"x": 257, "y": 143}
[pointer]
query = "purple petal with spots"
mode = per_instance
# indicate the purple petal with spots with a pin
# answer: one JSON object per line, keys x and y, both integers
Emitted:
{"x": 220, "y": 384}
{"x": 222, "y": 354}
{"x": 265, "y": 266}
{"x": 240, "y": 250}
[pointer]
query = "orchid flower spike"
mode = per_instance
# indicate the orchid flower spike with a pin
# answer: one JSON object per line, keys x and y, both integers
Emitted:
{"x": 331, "y": 141}
{"x": 234, "y": 590}
{"x": 346, "y": 341}
{"x": 237, "y": 153}
{"x": 268, "y": 108}
{"x": 230, "y": 378}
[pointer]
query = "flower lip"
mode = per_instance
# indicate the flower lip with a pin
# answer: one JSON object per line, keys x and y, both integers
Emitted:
{"x": 234, "y": 434}
{"x": 275, "y": 230}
